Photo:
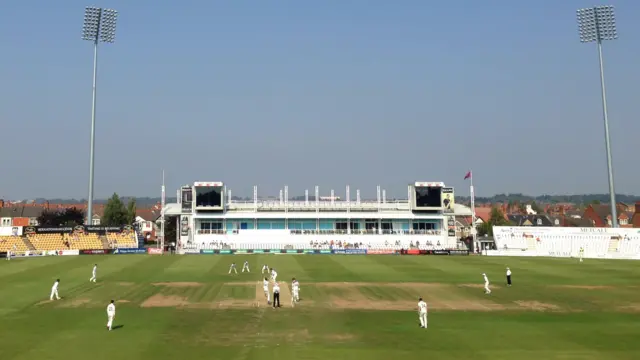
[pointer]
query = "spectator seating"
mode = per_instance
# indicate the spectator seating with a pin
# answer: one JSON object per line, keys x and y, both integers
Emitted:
{"x": 122, "y": 240}
{"x": 82, "y": 241}
{"x": 7, "y": 243}
{"x": 47, "y": 241}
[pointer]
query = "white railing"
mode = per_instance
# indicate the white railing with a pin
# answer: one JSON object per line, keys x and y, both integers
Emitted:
{"x": 276, "y": 205}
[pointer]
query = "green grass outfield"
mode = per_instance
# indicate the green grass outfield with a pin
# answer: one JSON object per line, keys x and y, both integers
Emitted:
{"x": 353, "y": 306}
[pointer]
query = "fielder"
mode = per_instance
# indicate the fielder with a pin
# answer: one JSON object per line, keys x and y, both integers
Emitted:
{"x": 294, "y": 292}
{"x": 245, "y": 266}
{"x": 54, "y": 290}
{"x": 486, "y": 284}
{"x": 233, "y": 268}
{"x": 265, "y": 287}
{"x": 274, "y": 275}
{"x": 508, "y": 277}
{"x": 422, "y": 311}
{"x": 295, "y": 286}
{"x": 93, "y": 273}
{"x": 9, "y": 254}
{"x": 581, "y": 254}
{"x": 111, "y": 313}
{"x": 265, "y": 269}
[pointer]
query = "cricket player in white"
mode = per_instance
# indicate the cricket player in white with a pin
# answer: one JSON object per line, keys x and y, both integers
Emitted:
{"x": 581, "y": 253}
{"x": 265, "y": 269}
{"x": 486, "y": 284}
{"x": 54, "y": 290}
{"x": 246, "y": 266}
{"x": 93, "y": 273}
{"x": 233, "y": 267}
{"x": 295, "y": 287}
{"x": 111, "y": 313}
{"x": 265, "y": 287}
{"x": 422, "y": 310}
{"x": 274, "y": 275}
{"x": 294, "y": 290}
{"x": 9, "y": 254}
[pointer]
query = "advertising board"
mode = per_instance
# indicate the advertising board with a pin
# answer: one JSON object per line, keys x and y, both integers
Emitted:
{"x": 130, "y": 251}
{"x": 94, "y": 252}
{"x": 355, "y": 251}
{"x": 154, "y": 251}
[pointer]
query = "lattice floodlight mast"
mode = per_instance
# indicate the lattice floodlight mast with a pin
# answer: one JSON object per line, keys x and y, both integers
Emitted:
{"x": 595, "y": 25}
{"x": 99, "y": 26}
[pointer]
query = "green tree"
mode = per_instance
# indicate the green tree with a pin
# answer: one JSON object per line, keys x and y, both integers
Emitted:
{"x": 115, "y": 213}
{"x": 170, "y": 228}
{"x": 485, "y": 229}
{"x": 131, "y": 211}
{"x": 496, "y": 218}
{"x": 67, "y": 217}
{"x": 595, "y": 202}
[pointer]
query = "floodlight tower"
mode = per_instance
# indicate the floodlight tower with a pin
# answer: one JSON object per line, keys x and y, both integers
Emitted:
{"x": 595, "y": 25}
{"x": 99, "y": 26}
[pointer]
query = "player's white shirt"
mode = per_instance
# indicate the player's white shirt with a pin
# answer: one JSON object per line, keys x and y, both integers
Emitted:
{"x": 246, "y": 264}
{"x": 508, "y": 272}
{"x": 422, "y": 306}
{"x": 265, "y": 267}
{"x": 95, "y": 268}
{"x": 276, "y": 288}
{"x": 274, "y": 274}
{"x": 486, "y": 279}
{"x": 295, "y": 285}
{"x": 55, "y": 286}
{"x": 233, "y": 265}
{"x": 111, "y": 309}
{"x": 265, "y": 285}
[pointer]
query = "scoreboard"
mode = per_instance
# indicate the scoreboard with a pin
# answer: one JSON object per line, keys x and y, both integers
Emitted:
{"x": 209, "y": 195}
{"x": 427, "y": 196}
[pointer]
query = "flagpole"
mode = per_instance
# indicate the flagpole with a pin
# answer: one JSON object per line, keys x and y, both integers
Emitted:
{"x": 162, "y": 204}
{"x": 473, "y": 211}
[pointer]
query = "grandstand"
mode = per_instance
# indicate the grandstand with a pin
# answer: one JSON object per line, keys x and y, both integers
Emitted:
{"x": 47, "y": 241}
{"x": 13, "y": 243}
{"x": 123, "y": 240}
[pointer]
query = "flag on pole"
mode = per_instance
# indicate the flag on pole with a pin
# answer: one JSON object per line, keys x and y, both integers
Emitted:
{"x": 467, "y": 176}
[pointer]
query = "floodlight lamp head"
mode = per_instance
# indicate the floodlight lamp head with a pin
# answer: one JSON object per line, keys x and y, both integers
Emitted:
{"x": 91, "y": 24}
{"x": 108, "y": 25}
{"x": 597, "y": 24}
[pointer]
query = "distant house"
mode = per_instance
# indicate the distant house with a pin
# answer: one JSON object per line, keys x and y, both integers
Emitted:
{"x": 532, "y": 220}
{"x": 600, "y": 215}
{"x": 147, "y": 222}
{"x": 19, "y": 214}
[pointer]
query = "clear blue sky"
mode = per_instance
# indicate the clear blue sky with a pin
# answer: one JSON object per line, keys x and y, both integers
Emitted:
{"x": 304, "y": 93}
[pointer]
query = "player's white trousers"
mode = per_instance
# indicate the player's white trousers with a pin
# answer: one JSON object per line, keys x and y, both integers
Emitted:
{"x": 486, "y": 289}
{"x": 245, "y": 267}
{"x": 110, "y": 321}
{"x": 423, "y": 319}
{"x": 234, "y": 269}
{"x": 54, "y": 293}
{"x": 267, "y": 295}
